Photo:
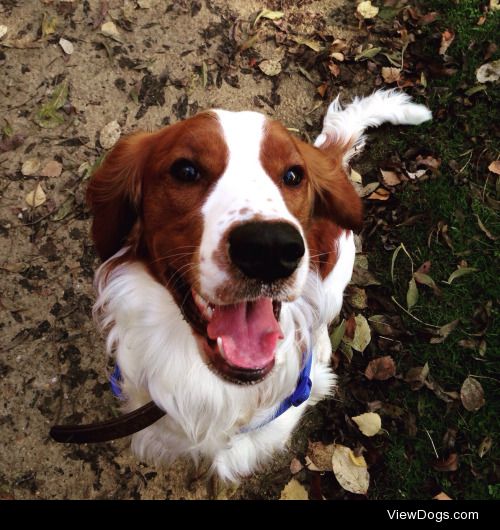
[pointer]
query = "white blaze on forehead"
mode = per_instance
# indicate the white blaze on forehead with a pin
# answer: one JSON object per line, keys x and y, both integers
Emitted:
{"x": 245, "y": 183}
{"x": 245, "y": 191}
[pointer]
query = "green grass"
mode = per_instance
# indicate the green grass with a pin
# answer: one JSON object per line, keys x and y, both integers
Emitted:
{"x": 462, "y": 136}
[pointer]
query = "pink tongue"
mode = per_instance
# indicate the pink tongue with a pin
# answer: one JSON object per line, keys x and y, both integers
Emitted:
{"x": 249, "y": 332}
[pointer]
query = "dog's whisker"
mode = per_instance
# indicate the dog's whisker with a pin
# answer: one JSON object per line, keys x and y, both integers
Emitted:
{"x": 169, "y": 256}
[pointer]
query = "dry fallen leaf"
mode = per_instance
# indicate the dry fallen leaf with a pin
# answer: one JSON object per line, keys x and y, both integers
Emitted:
{"x": 3, "y": 30}
{"x": 366, "y": 10}
{"x": 369, "y": 423}
{"x": 321, "y": 90}
{"x": 417, "y": 174}
{"x": 425, "y": 279}
{"x": 488, "y": 234}
{"x": 381, "y": 369}
{"x": 442, "y": 497}
{"x": 447, "y": 37}
{"x": 357, "y": 297}
{"x": 271, "y": 15}
{"x": 381, "y": 194}
{"x": 294, "y": 491}
{"x": 67, "y": 46}
{"x": 355, "y": 177}
{"x": 48, "y": 116}
{"x": 387, "y": 326}
{"x": 425, "y": 268}
{"x": 51, "y": 169}
{"x": 362, "y": 334}
{"x": 434, "y": 386}
{"x": 447, "y": 464}
{"x": 358, "y": 461}
{"x": 363, "y": 277}
{"x": 494, "y": 167}
{"x": 316, "y": 46}
{"x": 351, "y": 476}
{"x": 416, "y": 376}
{"x": 412, "y": 294}
{"x": 489, "y": 72}
{"x": 391, "y": 74}
{"x": 472, "y": 394}
{"x": 485, "y": 446}
{"x": 469, "y": 344}
{"x": 462, "y": 271}
{"x": 369, "y": 188}
{"x": 295, "y": 466}
{"x": 428, "y": 161}
{"x": 110, "y": 134}
{"x": 36, "y": 197}
{"x": 338, "y": 56}
{"x": 390, "y": 178}
{"x": 30, "y": 167}
{"x": 334, "y": 69}
{"x": 109, "y": 29}
{"x": 444, "y": 331}
{"x": 49, "y": 25}
{"x": 320, "y": 455}
{"x": 368, "y": 53}
{"x": 337, "y": 335}
{"x": 270, "y": 67}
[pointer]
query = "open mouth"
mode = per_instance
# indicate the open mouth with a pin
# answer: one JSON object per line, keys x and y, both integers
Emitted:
{"x": 239, "y": 340}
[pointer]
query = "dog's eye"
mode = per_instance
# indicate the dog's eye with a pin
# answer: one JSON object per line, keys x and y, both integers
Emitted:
{"x": 293, "y": 176}
{"x": 185, "y": 171}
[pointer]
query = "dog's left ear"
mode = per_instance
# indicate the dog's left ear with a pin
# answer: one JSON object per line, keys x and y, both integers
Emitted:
{"x": 114, "y": 193}
{"x": 335, "y": 199}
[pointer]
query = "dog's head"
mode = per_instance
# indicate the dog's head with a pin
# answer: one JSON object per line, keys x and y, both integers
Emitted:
{"x": 229, "y": 212}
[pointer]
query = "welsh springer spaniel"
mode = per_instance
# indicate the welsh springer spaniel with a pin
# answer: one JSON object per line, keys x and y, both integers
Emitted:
{"x": 227, "y": 246}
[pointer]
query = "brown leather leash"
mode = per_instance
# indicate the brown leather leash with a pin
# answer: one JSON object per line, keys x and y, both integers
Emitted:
{"x": 124, "y": 425}
{"x": 113, "y": 429}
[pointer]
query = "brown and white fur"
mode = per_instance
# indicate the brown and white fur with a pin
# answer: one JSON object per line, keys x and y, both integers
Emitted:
{"x": 165, "y": 242}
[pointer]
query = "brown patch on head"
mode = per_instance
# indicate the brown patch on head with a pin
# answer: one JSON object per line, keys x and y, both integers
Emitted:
{"x": 244, "y": 211}
{"x": 136, "y": 200}
{"x": 278, "y": 153}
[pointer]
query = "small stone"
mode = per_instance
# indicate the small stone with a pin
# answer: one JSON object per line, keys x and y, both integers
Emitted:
{"x": 109, "y": 29}
{"x": 67, "y": 46}
{"x": 110, "y": 134}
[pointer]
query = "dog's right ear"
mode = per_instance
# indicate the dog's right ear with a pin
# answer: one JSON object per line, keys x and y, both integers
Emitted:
{"x": 114, "y": 193}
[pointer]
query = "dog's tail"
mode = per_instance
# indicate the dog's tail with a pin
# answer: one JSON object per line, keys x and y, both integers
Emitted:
{"x": 346, "y": 127}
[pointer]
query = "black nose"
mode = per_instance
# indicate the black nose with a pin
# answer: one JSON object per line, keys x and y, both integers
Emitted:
{"x": 266, "y": 250}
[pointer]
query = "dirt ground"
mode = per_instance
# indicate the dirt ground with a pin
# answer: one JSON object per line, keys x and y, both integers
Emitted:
{"x": 169, "y": 60}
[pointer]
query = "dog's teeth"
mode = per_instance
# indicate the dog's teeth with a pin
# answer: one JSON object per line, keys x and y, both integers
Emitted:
{"x": 221, "y": 347}
{"x": 204, "y": 307}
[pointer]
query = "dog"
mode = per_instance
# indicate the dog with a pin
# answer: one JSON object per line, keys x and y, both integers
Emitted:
{"x": 227, "y": 243}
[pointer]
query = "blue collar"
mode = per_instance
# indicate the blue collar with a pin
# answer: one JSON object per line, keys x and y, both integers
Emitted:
{"x": 300, "y": 394}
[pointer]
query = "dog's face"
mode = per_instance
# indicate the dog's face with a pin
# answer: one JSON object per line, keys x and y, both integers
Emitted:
{"x": 229, "y": 212}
